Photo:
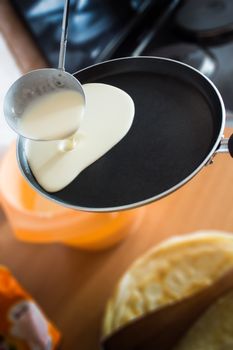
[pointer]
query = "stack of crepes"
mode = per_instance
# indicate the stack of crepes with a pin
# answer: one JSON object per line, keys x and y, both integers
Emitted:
{"x": 176, "y": 269}
{"x": 23, "y": 326}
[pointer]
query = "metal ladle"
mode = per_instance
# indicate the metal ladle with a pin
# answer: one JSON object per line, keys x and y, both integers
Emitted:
{"x": 38, "y": 83}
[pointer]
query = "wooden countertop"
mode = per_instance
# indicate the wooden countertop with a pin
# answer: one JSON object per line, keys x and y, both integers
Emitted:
{"x": 72, "y": 286}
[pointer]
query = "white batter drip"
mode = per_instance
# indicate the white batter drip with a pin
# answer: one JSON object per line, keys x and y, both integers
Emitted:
{"x": 108, "y": 117}
{"x": 54, "y": 116}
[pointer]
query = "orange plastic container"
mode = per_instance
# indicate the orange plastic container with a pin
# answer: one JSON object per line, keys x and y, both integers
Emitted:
{"x": 38, "y": 220}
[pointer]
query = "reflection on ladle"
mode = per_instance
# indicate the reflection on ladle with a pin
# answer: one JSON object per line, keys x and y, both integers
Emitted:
{"x": 68, "y": 144}
{"x": 71, "y": 142}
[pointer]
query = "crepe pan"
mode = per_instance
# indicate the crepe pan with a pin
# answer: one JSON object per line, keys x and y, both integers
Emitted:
{"x": 177, "y": 129}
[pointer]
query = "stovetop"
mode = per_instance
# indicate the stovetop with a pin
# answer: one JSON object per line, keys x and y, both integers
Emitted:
{"x": 196, "y": 32}
{"x": 200, "y": 33}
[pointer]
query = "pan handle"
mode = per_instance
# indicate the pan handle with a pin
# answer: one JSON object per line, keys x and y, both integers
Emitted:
{"x": 226, "y": 144}
{"x": 230, "y": 145}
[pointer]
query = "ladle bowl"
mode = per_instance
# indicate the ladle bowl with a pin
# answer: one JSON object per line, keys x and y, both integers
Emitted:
{"x": 32, "y": 86}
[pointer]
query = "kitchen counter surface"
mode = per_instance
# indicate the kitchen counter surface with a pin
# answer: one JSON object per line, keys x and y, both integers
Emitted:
{"x": 72, "y": 286}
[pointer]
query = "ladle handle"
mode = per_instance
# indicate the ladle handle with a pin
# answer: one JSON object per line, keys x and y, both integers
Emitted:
{"x": 64, "y": 34}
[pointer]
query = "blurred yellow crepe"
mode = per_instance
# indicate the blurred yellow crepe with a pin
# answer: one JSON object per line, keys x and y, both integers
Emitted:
{"x": 177, "y": 268}
{"x": 213, "y": 330}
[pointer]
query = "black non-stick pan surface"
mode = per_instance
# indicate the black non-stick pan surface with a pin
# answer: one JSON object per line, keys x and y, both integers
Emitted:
{"x": 177, "y": 126}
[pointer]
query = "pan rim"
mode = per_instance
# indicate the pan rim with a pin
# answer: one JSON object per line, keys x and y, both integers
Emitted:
{"x": 21, "y": 141}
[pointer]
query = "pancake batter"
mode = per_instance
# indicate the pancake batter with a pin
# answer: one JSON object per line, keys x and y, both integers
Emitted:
{"x": 108, "y": 117}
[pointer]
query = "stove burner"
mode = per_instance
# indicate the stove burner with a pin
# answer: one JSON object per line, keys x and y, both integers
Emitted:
{"x": 206, "y": 18}
{"x": 192, "y": 55}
